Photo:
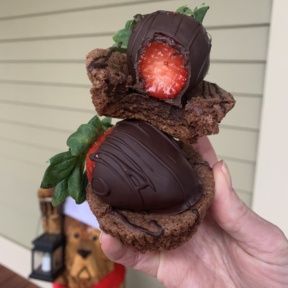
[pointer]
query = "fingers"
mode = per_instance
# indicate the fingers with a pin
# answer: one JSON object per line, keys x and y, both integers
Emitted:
{"x": 227, "y": 208}
{"x": 204, "y": 147}
{"x": 240, "y": 222}
{"x": 115, "y": 251}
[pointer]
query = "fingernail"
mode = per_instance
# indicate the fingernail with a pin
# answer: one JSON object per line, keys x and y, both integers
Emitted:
{"x": 226, "y": 173}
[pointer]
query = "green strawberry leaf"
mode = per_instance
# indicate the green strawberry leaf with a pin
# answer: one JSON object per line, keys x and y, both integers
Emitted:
{"x": 95, "y": 122}
{"x": 121, "y": 38}
{"x": 60, "y": 193}
{"x": 82, "y": 194}
{"x": 65, "y": 171}
{"x": 199, "y": 13}
{"x": 84, "y": 182}
{"x": 106, "y": 122}
{"x": 57, "y": 171}
{"x": 82, "y": 197}
{"x": 81, "y": 140}
{"x": 129, "y": 24}
{"x": 75, "y": 184}
{"x": 60, "y": 157}
{"x": 185, "y": 10}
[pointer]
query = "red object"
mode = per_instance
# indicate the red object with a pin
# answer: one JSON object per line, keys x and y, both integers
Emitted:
{"x": 112, "y": 280}
{"x": 58, "y": 285}
{"x": 162, "y": 68}
{"x": 90, "y": 165}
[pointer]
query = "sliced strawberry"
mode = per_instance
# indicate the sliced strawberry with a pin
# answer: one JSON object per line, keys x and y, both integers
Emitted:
{"x": 162, "y": 69}
{"x": 90, "y": 164}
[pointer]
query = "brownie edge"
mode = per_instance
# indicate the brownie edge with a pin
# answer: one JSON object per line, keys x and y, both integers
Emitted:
{"x": 151, "y": 231}
{"x": 114, "y": 94}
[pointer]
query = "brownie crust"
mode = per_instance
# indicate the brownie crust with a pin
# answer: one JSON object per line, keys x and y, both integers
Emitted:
{"x": 151, "y": 231}
{"x": 115, "y": 94}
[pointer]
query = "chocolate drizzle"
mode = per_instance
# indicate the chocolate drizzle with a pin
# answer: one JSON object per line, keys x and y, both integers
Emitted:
{"x": 139, "y": 168}
{"x": 159, "y": 229}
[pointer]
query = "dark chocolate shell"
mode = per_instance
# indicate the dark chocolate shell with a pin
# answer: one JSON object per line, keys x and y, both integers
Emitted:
{"x": 140, "y": 168}
{"x": 184, "y": 33}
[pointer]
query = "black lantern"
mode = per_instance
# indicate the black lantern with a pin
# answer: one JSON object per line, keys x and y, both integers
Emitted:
{"x": 48, "y": 256}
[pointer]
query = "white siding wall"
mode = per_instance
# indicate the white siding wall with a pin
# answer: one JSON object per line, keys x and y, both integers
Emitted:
{"x": 44, "y": 91}
{"x": 270, "y": 190}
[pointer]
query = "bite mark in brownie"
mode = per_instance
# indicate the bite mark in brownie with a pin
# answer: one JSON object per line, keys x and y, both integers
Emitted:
{"x": 115, "y": 94}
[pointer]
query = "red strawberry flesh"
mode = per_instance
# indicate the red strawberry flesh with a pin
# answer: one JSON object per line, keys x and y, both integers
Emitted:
{"x": 162, "y": 69}
{"x": 90, "y": 164}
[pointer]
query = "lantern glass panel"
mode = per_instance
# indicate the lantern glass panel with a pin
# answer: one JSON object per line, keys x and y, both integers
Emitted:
{"x": 48, "y": 257}
{"x": 42, "y": 262}
{"x": 38, "y": 257}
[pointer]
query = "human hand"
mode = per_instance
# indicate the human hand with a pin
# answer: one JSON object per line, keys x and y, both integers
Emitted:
{"x": 233, "y": 247}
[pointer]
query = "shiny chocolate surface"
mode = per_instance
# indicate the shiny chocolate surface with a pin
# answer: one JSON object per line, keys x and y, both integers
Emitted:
{"x": 180, "y": 31}
{"x": 140, "y": 168}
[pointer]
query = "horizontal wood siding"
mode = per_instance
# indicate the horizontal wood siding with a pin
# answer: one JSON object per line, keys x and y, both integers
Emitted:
{"x": 44, "y": 90}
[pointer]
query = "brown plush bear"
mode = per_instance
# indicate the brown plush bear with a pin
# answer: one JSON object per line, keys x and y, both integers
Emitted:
{"x": 85, "y": 264}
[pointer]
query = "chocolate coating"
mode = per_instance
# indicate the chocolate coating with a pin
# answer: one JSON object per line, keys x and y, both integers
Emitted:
{"x": 140, "y": 168}
{"x": 182, "y": 32}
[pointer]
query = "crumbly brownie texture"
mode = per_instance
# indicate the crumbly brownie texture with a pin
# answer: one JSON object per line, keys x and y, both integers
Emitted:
{"x": 115, "y": 94}
{"x": 156, "y": 232}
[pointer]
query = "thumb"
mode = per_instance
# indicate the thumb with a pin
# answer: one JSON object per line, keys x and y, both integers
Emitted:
{"x": 117, "y": 252}
{"x": 236, "y": 219}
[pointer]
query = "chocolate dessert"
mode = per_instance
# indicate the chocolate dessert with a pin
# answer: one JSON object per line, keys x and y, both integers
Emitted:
{"x": 147, "y": 189}
{"x": 113, "y": 95}
{"x": 141, "y": 169}
{"x": 183, "y": 41}
{"x": 142, "y": 178}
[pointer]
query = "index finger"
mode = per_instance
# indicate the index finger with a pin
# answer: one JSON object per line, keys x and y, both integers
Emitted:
{"x": 205, "y": 149}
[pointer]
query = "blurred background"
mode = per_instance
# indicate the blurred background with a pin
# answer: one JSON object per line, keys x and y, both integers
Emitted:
{"x": 44, "y": 90}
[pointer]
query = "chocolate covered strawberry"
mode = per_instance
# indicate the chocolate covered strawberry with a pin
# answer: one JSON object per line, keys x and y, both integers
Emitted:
{"x": 68, "y": 173}
{"x": 168, "y": 55}
{"x": 90, "y": 164}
